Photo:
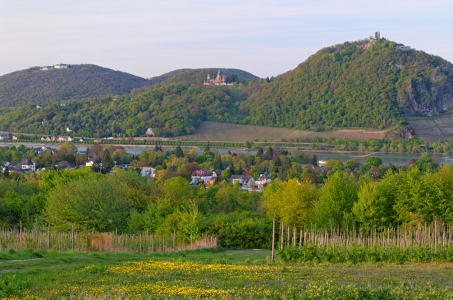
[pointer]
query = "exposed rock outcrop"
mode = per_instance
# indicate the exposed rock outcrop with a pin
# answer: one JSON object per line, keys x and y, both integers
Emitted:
{"x": 428, "y": 96}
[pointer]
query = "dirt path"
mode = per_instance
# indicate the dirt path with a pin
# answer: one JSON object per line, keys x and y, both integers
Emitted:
{"x": 18, "y": 260}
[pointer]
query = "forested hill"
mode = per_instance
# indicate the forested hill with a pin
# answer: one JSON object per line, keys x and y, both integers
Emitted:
{"x": 165, "y": 76}
{"x": 355, "y": 84}
{"x": 198, "y": 76}
{"x": 173, "y": 109}
{"x": 77, "y": 82}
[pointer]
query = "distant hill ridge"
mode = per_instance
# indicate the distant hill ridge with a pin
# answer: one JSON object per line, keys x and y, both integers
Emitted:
{"x": 197, "y": 76}
{"x": 76, "y": 82}
{"x": 362, "y": 84}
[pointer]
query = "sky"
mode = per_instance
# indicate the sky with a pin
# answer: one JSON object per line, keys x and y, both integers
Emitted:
{"x": 266, "y": 38}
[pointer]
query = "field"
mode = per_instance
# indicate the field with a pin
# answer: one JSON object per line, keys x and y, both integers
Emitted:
{"x": 207, "y": 275}
{"x": 432, "y": 129}
{"x": 225, "y": 132}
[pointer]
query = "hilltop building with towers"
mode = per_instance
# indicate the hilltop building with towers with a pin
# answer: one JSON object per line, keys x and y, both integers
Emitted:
{"x": 219, "y": 80}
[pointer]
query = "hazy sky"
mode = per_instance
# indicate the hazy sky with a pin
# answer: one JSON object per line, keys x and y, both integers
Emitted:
{"x": 267, "y": 38}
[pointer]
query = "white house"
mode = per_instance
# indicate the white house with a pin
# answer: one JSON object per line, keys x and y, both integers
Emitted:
{"x": 91, "y": 161}
{"x": 3, "y": 137}
{"x": 150, "y": 131}
{"x": 148, "y": 171}
{"x": 262, "y": 180}
{"x": 70, "y": 139}
{"x": 244, "y": 180}
{"x": 60, "y": 66}
{"x": 68, "y": 129}
{"x": 26, "y": 164}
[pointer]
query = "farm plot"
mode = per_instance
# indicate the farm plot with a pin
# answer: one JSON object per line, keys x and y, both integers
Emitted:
{"x": 225, "y": 132}
{"x": 433, "y": 129}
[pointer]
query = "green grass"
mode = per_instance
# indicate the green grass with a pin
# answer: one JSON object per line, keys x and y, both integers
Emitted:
{"x": 225, "y": 275}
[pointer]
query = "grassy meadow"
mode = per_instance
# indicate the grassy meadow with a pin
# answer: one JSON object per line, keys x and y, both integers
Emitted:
{"x": 204, "y": 274}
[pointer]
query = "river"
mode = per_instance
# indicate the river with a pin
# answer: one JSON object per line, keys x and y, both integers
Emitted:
{"x": 387, "y": 158}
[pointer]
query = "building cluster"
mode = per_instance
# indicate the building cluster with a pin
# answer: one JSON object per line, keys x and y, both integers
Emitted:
{"x": 246, "y": 181}
{"x": 59, "y": 66}
{"x": 219, "y": 80}
{"x": 377, "y": 36}
{"x": 402, "y": 47}
{"x": 54, "y": 138}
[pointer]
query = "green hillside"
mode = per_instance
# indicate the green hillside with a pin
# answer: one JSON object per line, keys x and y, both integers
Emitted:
{"x": 77, "y": 82}
{"x": 198, "y": 76}
{"x": 355, "y": 84}
{"x": 174, "y": 109}
{"x": 165, "y": 76}
{"x": 367, "y": 84}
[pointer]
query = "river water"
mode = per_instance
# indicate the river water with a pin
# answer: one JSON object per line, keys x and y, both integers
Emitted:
{"x": 387, "y": 158}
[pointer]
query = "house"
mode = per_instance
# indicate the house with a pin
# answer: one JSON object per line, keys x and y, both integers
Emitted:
{"x": 217, "y": 173}
{"x": 45, "y": 122}
{"x": 202, "y": 173}
{"x": 47, "y": 68}
{"x": 82, "y": 140}
{"x": 3, "y": 137}
{"x": 60, "y": 66}
{"x": 305, "y": 166}
{"x": 200, "y": 176}
{"x": 97, "y": 140}
{"x": 402, "y": 47}
{"x": 262, "y": 181}
{"x": 70, "y": 139}
{"x": 61, "y": 139}
{"x": 38, "y": 106}
{"x": 63, "y": 105}
{"x": 43, "y": 138}
{"x": 244, "y": 180}
{"x": 64, "y": 165}
{"x": 26, "y": 164}
{"x": 68, "y": 129}
{"x": 124, "y": 166}
{"x": 53, "y": 138}
{"x": 15, "y": 138}
{"x": 148, "y": 171}
{"x": 150, "y": 131}
{"x": 90, "y": 162}
{"x": 210, "y": 181}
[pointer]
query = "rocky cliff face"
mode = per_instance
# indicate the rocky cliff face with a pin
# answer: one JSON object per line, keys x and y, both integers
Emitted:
{"x": 429, "y": 96}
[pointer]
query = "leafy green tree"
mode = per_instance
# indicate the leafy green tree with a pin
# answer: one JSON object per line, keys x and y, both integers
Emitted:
{"x": 269, "y": 153}
{"x": 107, "y": 162}
{"x": 373, "y": 161}
{"x": 178, "y": 152}
{"x": 255, "y": 172}
{"x": 247, "y": 144}
{"x": 374, "y": 206}
{"x": 332, "y": 164}
{"x": 336, "y": 200}
{"x": 290, "y": 202}
{"x": 95, "y": 167}
{"x": 218, "y": 164}
{"x": 91, "y": 203}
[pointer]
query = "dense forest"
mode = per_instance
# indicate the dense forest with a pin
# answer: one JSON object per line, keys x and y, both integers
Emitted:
{"x": 173, "y": 109}
{"x": 76, "y": 82}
